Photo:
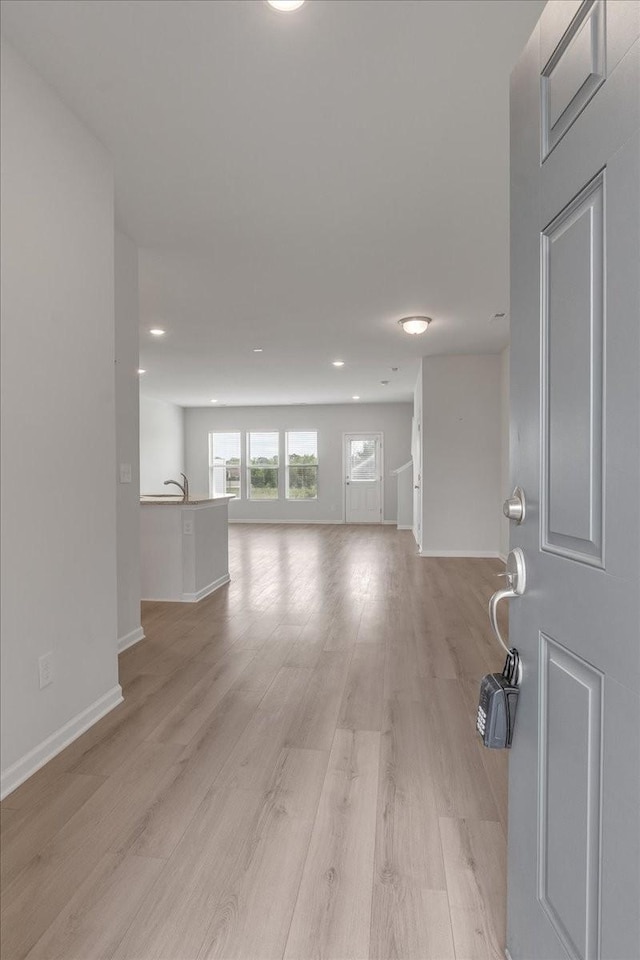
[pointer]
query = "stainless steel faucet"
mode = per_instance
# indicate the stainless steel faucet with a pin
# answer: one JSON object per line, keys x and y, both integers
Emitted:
{"x": 185, "y": 488}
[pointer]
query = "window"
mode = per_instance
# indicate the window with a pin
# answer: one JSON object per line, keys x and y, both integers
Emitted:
{"x": 262, "y": 472}
{"x": 224, "y": 464}
{"x": 302, "y": 465}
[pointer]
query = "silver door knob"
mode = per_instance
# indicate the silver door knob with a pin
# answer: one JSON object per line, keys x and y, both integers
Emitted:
{"x": 515, "y": 507}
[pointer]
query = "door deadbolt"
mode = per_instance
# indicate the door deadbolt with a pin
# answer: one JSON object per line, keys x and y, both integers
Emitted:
{"x": 515, "y": 507}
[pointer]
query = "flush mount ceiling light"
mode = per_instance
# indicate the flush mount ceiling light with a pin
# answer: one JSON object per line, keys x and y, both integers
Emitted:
{"x": 213, "y": 401}
{"x": 414, "y": 325}
{"x": 156, "y": 332}
{"x": 285, "y": 6}
{"x": 356, "y": 397}
{"x": 257, "y": 349}
{"x": 338, "y": 363}
{"x": 141, "y": 371}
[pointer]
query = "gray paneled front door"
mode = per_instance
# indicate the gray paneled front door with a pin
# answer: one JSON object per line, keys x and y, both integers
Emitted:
{"x": 574, "y": 780}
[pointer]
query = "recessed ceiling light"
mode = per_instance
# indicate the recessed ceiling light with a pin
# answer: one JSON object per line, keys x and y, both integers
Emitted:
{"x": 156, "y": 332}
{"x": 356, "y": 397}
{"x": 414, "y": 325}
{"x": 213, "y": 401}
{"x": 338, "y": 363}
{"x": 285, "y": 6}
{"x": 384, "y": 383}
{"x": 257, "y": 349}
{"x": 140, "y": 370}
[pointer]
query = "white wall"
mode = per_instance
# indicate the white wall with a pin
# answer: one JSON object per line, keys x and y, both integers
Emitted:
{"x": 161, "y": 445}
{"x": 461, "y": 469}
{"x": 127, "y": 440}
{"x": 331, "y": 421}
{"x": 505, "y": 489}
{"x": 58, "y": 443}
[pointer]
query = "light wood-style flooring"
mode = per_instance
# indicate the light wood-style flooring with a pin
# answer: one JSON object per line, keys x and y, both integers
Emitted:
{"x": 294, "y": 772}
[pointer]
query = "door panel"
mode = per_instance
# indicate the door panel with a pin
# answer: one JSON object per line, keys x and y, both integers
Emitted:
{"x": 574, "y": 778}
{"x": 572, "y": 371}
{"x": 574, "y": 71}
{"x": 570, "y": 783}
{"x": 363, "y": 478}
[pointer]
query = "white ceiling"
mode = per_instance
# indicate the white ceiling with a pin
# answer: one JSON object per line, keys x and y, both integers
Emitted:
{"x": 298, "y": 182}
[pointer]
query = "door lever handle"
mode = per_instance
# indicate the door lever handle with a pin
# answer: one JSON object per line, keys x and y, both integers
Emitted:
{"x": 516, "y": 575}
{"x": 499, "y": 595}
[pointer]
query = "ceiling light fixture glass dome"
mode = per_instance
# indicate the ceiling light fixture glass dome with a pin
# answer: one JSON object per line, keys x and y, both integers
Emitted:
{"x": 285, "y": 6}
{"x": 414, "y": 325}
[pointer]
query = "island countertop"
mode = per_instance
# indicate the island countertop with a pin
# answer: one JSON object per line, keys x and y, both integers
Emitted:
{"x": 177, "y": 501}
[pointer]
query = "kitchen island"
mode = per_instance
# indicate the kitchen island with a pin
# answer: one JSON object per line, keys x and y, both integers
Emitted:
{"x": 184, "y": 547}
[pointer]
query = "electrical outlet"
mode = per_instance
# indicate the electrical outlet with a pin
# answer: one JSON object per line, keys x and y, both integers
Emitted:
{"x": 125, "y": 473}
{"x": 45, "y": 668}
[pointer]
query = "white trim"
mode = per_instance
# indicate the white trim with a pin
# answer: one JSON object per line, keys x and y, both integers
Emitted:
{"x": 507, "y": 954}
{"x": 405, "y": 526}
{"x": 488, "y": 554}
{"x": 22, "y": 769}
{"x": 205, "y": 591}
{"x": 502, "y": 556}
{"x": 135, "y": 636}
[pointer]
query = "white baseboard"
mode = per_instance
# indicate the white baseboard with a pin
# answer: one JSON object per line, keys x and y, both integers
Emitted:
{"x": 507, "y": 954}
{"x": 201, "y": 594}
{"x": 22, "y": 769}
{"x": 130, "y": 638}
{"x": 473, "y": 554}
{"x": 325, "y": 523}
{"x": 404, "y": 526}
{"x": 503, "y": 557}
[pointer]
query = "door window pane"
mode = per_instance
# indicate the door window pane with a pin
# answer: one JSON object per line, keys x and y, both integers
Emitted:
{"x": 363, "y": 460}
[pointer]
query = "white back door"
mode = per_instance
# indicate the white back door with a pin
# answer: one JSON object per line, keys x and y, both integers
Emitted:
{"x": 416, "y": 455}
{"x": 363, "y": 477}
{"x": 574, "y": 777}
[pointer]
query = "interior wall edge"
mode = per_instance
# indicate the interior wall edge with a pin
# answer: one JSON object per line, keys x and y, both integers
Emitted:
{"x": 26, "y": 766}
{"x": 129, "y": 639}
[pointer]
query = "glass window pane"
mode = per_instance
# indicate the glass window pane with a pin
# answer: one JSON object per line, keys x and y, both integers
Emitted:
{"x": 363, "y": 460}
{"x": 224, "y": 463}
{"x": 302, "y": 447}
{"x": 263, "y": 483}
{"x": 303, "y": 483}
{"x": 263, "y": 449}
{"x": 232, "y": 481}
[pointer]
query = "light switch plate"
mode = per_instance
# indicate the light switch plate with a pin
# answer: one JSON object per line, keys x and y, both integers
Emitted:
{"x": 45, "y": 669}
{"x": 187, "y": 524}
{"x": 125, "y": 473}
